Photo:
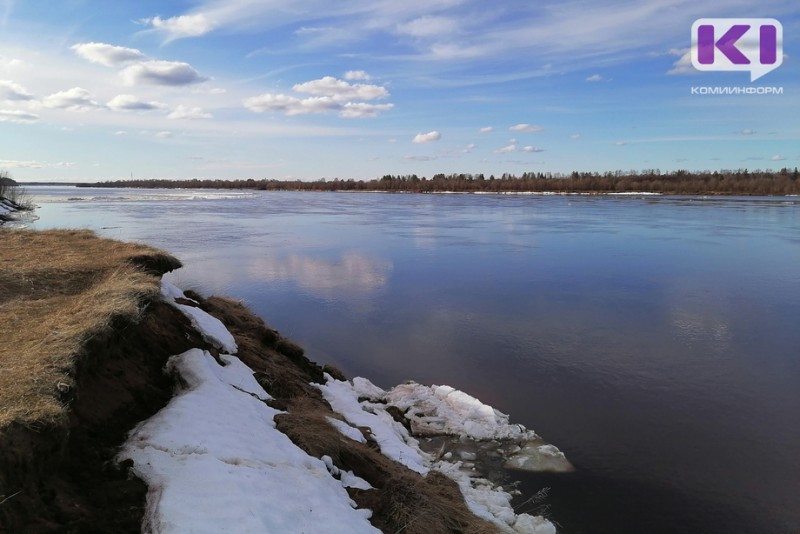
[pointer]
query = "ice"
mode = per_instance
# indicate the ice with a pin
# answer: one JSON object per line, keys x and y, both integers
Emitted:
{"x": 534, "y": 456}
{"x": 437, "y": 410}
{"x": 443, "y": 410}
{"x": 365, "y": 388}
{"x": 491, "y": 503}
{"x": 214, "y": 462}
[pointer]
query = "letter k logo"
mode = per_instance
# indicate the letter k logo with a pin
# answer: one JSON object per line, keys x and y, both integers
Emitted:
{"x": 754, "y": 45}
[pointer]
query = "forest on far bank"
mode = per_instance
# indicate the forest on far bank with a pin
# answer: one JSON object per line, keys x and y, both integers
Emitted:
{"x": 738, "y": 182}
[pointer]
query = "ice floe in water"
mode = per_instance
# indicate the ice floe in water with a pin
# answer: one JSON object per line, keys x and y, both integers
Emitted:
{"x": 437, "y": 411}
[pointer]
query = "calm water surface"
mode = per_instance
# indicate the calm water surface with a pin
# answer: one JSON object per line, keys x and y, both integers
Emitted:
{"x": 655, "y": 340}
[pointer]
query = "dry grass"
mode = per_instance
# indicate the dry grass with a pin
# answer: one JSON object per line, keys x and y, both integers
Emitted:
{"x": 58, "y": 289}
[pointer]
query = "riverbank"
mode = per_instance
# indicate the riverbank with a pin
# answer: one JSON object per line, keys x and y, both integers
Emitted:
{"x": 88, "y": 413}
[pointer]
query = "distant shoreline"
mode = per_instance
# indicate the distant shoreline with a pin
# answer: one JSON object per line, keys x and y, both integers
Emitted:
{"x": 739, "y": 183}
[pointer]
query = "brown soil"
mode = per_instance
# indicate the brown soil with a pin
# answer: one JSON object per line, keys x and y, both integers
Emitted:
{"x": 63, "y": 479}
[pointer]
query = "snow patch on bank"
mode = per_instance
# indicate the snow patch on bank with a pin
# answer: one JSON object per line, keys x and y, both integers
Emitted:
{"x": 393, "y": 439}
{"x": 209, "y": 326}
{"x": 213, "y": 460}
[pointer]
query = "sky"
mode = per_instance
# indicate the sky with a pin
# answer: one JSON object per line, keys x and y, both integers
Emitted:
{"x": 95, "y": 90}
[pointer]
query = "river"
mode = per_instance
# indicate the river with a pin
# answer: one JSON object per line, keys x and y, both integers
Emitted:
{"x": 655, "y": 340}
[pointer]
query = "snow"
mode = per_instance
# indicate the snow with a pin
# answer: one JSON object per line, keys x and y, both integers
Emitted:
{"x": 348, "y": 478}
{"x": 347, "y": 430}
{"x": 171, "y": 292}
{"x": 392, "y": 437}
{"x": 214, "y": 462}
{"x": 441, "y": 409}
{"x": 209, "y": 326}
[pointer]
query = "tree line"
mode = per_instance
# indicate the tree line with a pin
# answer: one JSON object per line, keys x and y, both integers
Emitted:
{"x": 681, "y": 182}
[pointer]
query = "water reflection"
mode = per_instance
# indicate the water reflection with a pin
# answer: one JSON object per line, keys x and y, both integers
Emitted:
{"x": 353, "y": 273}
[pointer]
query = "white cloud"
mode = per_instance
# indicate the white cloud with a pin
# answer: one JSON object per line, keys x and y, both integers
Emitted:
{"x": 171, "y": 73}
{"x": 106, "y": 54}
{"x": 289, "y": 105}
{"x": 777, "y": 157}
{"x": 683, "y": 65}
{"x": 429, "y": 137}
{"x": 164, "y": 135}
{"x": 12, "y": 115}
{"x": 532, "y": 149}
{"x": 594, "y": 78}
{"x": 340, "y": 90}
{"x": 131, "y": 103}
{"x": 575, "y": 136}
{"x": 182, "y": 26}
{"x": 209, "y": 91}
{"x": 486, "y": 129}
{"x": 361, "y": 109}
{"x": 356, "y": 75}
{"x": 189, "y": 113}
{"x": 120, "y": 132}
{"x": 746, "y": 131}
{"x": 13, "y": 91}
{"x": 507, "y": 149}
{"x": 75, "y": 99}
{"x": 421, "y": 158}
{"x": 428, "y": 26}
{"x": 330, "y": 94}
{"x": 621, "y": 143}
{"x": 17, "y": 164}
{"x": 526, "y": 128}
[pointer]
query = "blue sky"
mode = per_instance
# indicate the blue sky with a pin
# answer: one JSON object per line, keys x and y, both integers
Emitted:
{"x": 95, "y": 90}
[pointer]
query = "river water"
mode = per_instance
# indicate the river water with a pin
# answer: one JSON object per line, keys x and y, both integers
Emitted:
{"x": 655, "y": 340}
